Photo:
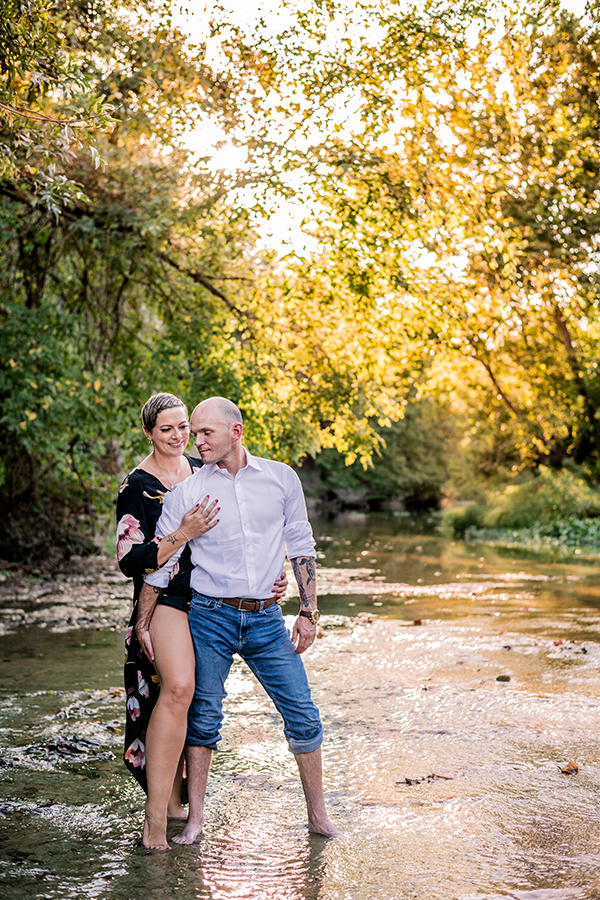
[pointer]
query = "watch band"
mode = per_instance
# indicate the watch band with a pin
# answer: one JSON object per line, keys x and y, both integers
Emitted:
{"x": 313, "y": 614}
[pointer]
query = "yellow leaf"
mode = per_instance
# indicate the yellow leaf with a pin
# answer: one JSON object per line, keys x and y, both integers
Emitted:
{"x": 12, "y": 364}
{"x": 23, "y": 425}
{"x": 30, "y": 415}
{"x": 97, "y": 384}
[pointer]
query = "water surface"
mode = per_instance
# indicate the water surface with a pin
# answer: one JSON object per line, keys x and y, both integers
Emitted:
{"x": 453, "y": 682}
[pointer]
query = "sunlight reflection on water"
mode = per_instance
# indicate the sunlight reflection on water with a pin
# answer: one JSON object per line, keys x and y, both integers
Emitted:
{"x": 445, "y": 780}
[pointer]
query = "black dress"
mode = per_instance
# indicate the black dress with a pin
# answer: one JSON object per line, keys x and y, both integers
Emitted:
{"x": 139, "y": 506}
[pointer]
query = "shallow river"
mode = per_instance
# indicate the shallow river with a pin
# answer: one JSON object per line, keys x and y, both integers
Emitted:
{"x": 454, "y": 684}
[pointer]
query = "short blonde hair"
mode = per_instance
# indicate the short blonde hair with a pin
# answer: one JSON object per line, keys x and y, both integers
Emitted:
{"x": 155, "y": 405}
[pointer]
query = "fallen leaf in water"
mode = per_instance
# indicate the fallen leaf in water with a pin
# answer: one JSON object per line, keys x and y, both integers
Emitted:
{"x": 417, "y": 621}
{"x": 570, "y": 769}
{"x": 426, "y": 778}
{"x": 558, "y": 642}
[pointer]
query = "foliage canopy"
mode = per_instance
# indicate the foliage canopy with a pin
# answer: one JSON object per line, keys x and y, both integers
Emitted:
{"x": 446, "y": 159}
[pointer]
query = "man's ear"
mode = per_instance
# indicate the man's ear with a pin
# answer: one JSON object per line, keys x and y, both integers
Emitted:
{"x": 236, "y": 431}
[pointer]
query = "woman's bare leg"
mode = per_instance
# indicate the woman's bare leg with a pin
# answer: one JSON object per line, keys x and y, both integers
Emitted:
{"x": 165, "y": 737}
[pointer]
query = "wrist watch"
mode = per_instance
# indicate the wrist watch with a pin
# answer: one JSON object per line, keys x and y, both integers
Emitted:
{"x": 313, "y": 614}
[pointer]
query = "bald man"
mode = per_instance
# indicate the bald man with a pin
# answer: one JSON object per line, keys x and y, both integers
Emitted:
{"x": 262, "y": 515}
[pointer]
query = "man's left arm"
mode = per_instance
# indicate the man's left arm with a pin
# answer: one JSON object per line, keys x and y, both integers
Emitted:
{"x": 304, "y": 632}
{"x": 300, "y": 546}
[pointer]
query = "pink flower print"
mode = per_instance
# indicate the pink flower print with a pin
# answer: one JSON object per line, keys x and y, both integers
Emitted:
{"x": 133, "y": 707}
{"x": 123, "y": 486}
{"x": 143, "y": 689}
{"x": 136, "y": 754}
{"x": 129, "y": 533}
{"x": 128, "y": 634}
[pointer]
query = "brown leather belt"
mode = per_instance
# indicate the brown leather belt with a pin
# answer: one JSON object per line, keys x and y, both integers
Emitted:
{"x": 249, "y": 605}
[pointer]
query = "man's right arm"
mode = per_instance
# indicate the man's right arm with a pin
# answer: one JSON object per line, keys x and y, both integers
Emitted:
{"x": 145, "y": 610}
{"x": 188, "y": 525}
{"x": 168, "y": 523}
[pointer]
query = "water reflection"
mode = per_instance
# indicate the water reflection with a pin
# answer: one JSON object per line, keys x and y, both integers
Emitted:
{"x": 444, "y": 744}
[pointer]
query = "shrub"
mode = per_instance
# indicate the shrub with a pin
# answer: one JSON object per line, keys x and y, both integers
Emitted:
{"x": 550, "y": 496}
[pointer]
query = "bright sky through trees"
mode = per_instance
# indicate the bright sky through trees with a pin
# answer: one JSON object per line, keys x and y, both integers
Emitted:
{"x": 283, "y": 229}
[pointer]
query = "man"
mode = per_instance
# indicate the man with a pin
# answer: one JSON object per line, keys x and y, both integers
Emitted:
{"x": 261, "y": 513}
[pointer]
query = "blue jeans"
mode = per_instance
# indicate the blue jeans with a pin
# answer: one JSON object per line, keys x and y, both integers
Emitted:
{"x": 263, "y": 642}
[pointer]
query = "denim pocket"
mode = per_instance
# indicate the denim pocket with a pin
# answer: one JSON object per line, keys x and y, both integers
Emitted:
{"x": 201, "y": 601}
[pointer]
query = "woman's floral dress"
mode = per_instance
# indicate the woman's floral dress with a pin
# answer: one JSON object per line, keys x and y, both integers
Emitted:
{"x": 139, "y": 506}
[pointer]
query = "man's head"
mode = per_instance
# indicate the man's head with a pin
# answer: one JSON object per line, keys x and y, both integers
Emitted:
{"x": 217, "y": 427}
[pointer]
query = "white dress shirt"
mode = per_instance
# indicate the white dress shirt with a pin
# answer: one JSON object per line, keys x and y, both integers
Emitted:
{"x": 262, "y": 514}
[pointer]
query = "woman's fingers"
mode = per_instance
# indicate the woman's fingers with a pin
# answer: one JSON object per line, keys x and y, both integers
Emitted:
{"x": 200, "y": 518}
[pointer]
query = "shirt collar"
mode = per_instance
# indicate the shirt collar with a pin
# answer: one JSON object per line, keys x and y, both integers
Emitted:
{"x": 252, "y": 462}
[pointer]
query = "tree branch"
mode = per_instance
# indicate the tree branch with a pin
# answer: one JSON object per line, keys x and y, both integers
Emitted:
{"x": 573, "y": 360}
{"x": 199, "y": 278}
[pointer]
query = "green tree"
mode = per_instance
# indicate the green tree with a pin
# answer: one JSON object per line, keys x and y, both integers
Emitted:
{"x": 456, "y": 198}
{"x": 148, "y": 277}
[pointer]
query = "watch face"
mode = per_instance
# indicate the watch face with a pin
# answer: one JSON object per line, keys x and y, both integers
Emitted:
{"x": 315, "y": 616}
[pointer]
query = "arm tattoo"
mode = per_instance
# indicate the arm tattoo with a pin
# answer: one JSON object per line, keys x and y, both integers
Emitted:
{"x": 305, "y": 574}
{"x": 171, "y": 539}
{"x": 155, "y": 589}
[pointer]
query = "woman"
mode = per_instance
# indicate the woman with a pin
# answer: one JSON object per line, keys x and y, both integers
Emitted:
{"x": 159, "y": 694}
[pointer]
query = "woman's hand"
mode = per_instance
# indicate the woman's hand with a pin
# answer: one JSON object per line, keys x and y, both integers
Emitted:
{"x": 199, "y": 519}
{"x": 280, "y": 587}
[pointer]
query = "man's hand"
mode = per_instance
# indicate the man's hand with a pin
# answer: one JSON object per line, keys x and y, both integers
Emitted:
{"x": 142, "y": 632}
{"x": 303, "y": 633}
{"x": 146, "y": 603}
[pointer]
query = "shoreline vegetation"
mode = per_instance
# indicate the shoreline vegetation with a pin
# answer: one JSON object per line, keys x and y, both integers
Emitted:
{"x": 566, "y": 539}
{"x": 553, "y": 513}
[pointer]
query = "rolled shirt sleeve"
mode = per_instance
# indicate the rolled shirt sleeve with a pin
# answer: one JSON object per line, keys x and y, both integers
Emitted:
{"x": 297, "y": 532}
{"x": 173, "y": 511}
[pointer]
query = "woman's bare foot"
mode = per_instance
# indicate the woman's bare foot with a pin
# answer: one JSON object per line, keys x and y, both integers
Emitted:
{"x": 324, "y": 827}
{"x": 190, "y": 833}
{"x": 154, "y": 836}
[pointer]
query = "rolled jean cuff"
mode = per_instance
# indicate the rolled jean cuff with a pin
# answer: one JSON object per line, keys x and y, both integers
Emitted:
{"x": 191, "y": 741}
{"x": 314, "y": 743}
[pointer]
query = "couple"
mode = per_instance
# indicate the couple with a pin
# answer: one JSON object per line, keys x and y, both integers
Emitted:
{"x": 226, "y": 529}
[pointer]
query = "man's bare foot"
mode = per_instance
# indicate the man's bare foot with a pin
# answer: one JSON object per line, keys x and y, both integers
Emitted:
{"x": 154, "y": 836}
{"x": 190, "y": 833}
{"x": 324, "y": 827}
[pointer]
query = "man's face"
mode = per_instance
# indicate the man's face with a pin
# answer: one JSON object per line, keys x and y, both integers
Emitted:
{"x": 214, "y": 439}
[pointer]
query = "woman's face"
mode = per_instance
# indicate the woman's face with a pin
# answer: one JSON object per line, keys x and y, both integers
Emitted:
{"x": 171, "y": 433}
